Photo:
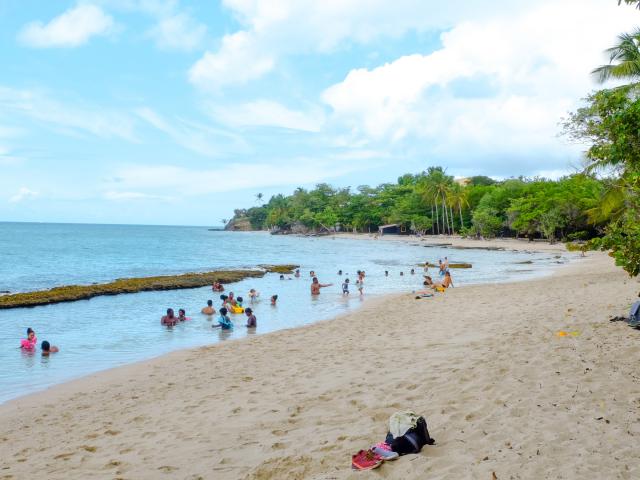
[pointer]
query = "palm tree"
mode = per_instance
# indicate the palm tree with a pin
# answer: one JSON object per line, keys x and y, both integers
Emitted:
{"x": 259, "y": 197}
{"x": 224, "y": 221}
{"x": 458, "y": 198}
{"x": 626, "y": 55}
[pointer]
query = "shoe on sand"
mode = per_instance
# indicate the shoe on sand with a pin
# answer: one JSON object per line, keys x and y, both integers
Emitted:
{"x": 366, "y": 460}
{"x": 385, "y": 451}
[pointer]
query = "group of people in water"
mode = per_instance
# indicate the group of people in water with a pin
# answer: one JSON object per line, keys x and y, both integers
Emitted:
{"x": 30, "y": 344}
{"x": 232, "y": 304}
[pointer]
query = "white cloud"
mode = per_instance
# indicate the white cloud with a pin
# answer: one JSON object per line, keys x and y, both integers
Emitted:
{"x": 65, "y": 117}
{"x": 236, "y": 176}
{"x": 119, "y": 196}
{"x": 267, "y": 113}
{"x": 238, "y": 60}
{"x": 178, "y": 32}
{"x": 496, "y": 87}
{"x": 277, "y": 28}
{"x": 23, "y": 194}
{"x": 71, "y": 29}
{"x": 198, "y": 138}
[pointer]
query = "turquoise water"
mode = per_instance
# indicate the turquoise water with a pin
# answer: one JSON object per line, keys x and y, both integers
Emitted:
{"x": 105, "y": 332}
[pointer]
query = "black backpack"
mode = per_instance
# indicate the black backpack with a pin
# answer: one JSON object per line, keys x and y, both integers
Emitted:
{"x": 413, "y": 440}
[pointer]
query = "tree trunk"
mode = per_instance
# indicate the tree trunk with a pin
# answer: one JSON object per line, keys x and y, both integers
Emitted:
{"x": 461, "y": 221}
{"x": 453, "y": 229}
{"x": 437, "y": 224}
{"x": 433, "y": 225}
{"x": 445, "y": 215}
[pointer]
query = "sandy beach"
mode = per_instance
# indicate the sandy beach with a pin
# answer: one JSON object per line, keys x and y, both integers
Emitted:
{"x": 504, "y": 396}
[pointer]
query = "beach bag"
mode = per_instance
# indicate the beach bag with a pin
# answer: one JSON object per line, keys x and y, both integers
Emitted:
{"x": 634, "y": 314}
{"x": 413, "y": 439}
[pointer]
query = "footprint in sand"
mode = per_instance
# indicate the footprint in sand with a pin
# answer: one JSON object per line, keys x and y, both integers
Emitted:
{"x": 167, "y": 468}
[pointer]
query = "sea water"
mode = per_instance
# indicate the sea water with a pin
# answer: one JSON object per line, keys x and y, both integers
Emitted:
{"x": 106, "y": 332}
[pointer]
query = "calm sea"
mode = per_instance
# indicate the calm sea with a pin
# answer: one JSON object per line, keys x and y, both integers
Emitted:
{"x": 105, "y": 332}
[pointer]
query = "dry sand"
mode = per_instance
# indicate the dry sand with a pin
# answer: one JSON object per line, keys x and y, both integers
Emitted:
{"x": 501, "y": 393}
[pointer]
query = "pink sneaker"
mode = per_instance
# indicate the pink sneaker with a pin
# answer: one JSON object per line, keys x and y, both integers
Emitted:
{"x": 384, "y": 450}
{"x": 366, "y": 460}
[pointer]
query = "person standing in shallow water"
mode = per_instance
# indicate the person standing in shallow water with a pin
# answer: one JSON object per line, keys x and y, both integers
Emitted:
{"x": 169, "y": 319}
{"x": 316, "y": 286}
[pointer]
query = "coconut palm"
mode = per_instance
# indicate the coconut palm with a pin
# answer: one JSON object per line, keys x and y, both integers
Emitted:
{"x": 624, "y": 59}
{"x": 458, "y": 198}
{"x": 259, "y": 197}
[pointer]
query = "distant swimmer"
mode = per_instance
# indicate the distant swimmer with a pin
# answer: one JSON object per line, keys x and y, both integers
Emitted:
{"x": 224, "y": 322}
{"x": 209, "y": 310}
{"x": 316, "y": 286}
{"x": 274, "y": 299}
{"x": 345, "y": 287}
{"x": 386, "y": 273}
{"x": 251, "y": 318}
{"x": 339, "y": 272}
{"x": 297, "y": 275}
{"x": 30, "y": 342}
{"x": 413, "y": 271}
{"x": 47, "y": 348}
{"x": 169, "y": 319}
{"x": 217, "y": 287}
{"x": 312, "y": 273}
{"x": 182, "y": 315}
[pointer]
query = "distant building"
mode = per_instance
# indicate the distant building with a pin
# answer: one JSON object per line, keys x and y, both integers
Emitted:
{"x": 392, "y": 229}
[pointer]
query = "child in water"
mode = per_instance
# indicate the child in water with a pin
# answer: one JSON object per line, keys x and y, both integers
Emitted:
{"x": 224, "y": 322}
{"x": 253, "y": 295}
{"x": 251, "y": 318}
{"x": 47, "y": 348}
{"x": 274, "y": 299}
{"x": 182, "y": 315}
{"x": 345, "y": 287}
{"x": 30, "y": 342}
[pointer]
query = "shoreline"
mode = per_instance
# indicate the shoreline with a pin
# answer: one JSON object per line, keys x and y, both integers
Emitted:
{"x": 247, "y": 409}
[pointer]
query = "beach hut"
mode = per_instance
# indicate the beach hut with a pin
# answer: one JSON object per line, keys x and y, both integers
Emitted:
{"x": 391, "y": 229}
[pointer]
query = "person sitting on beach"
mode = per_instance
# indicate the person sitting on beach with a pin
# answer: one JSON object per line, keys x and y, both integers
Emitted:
{"x": 182, "y": 315}
{"x": 47, "y": 348}
{"x": 169, "y": 319}
{"x": 428, "y": 282}
{"x": 209, "y": 310}
{"x": 446, "y": 283}
{"x": 316, "y": 286}
{"x": 252, "y": 322}
{"x": 345, "y": 287}
{"x": 274, "y": 299}
{"x": 30, "y": 342}
{"x": 224, "y": 322}
{"x": 253, "y": 295}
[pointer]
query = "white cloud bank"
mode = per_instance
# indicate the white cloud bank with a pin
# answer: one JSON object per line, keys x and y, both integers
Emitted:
{"x": 178, "y": 32}
{"x": 72, "y": 28}
{"x": 498, "y": 86}
{"x": 267, "y": 113}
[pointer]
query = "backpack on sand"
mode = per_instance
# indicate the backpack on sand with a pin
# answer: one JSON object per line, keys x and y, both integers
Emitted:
{"x": 413, "y": 440}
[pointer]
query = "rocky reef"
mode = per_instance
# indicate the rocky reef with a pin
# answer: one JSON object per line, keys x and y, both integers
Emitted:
{"x": 70, "y": 293}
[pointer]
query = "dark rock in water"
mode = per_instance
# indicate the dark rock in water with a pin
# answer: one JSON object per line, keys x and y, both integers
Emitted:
{"x": 452, "y": 265}
{"x": 526, "y": 262}
{"x": 4, "y": 292}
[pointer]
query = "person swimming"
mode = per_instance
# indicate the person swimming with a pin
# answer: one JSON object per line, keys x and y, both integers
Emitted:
{"x": 297, "y": 274}
{"x": 339, "y": 272}
{"x": 274, "y": 299}
{"x": 252, "y": 322}
{"x": 253, "y": 295}
{"x": 209, "y": 310}
{"x": 239, "y": 301}
{"x": 47, "y": 348}
{"x": 169, "y": 319}
{"x": 182, "y": 315}
{"x": 30, "y": 342}
{"x": 316, "y": 286}
{"x": 386, "y": 273}
{"x": 413, "y": 271}
{"x": 217, "y": 287}
{"x": 281, "y": 277}
{"x": 224, "y": 322}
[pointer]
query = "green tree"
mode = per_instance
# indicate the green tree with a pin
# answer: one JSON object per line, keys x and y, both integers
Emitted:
{"x": 624, "y": 59}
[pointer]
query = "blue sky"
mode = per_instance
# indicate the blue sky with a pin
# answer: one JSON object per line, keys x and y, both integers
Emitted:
{"x": 177, "y": 112}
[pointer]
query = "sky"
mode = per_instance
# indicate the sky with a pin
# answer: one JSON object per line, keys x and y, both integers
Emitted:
{"x": 177, "y": 112}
